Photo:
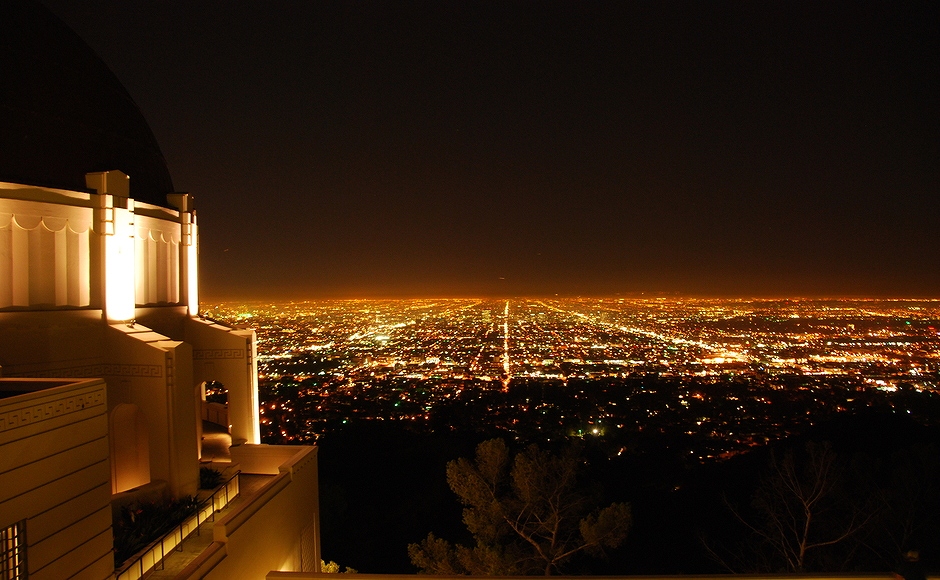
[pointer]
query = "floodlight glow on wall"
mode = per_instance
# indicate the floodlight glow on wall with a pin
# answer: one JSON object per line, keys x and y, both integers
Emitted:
{"x": 116, "y": 227}
{"x": 119, "y": 267}
{"x": 190, "y": 238}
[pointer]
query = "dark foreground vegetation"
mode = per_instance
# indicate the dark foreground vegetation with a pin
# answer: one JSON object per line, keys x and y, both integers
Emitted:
{"x": 140, "y": 524}
{"x": 868, "y": 482}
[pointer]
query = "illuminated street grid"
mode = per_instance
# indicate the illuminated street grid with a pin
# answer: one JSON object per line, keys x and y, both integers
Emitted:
{"x": 709, "y": 370}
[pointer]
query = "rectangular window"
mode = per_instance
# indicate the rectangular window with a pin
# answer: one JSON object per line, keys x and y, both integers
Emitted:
{"x": 13, "y": 552}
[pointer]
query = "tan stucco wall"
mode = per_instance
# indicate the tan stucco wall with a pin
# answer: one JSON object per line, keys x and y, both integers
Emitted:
{"x": 228, "y": 355}
{"x": 277, "y": 529}
{"x": 155, "y": 373}
{"x": 55, "y": 475}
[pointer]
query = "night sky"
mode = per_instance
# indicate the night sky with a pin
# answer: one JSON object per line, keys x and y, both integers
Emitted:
{"x": 389, "y": 149}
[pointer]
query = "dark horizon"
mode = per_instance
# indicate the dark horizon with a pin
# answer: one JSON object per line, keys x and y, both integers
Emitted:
{"x": 531, "y": 148}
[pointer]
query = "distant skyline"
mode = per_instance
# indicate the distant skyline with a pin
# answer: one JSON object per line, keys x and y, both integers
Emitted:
{"x": 501, "y": 149}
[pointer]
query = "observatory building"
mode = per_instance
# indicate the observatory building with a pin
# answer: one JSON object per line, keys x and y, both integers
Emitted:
{"x": 103, "y": 355}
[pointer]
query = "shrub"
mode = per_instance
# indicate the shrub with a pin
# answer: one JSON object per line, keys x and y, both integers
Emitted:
{"x": 209, "y": 478}
{"x": 143, "y": 523}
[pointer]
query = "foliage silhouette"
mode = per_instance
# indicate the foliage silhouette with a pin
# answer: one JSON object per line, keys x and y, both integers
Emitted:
{"x": 142, "y": 523}
{"x": 799, "y": 511}
{"x": 209, "y": 478}
{"x": 527, "y": 515}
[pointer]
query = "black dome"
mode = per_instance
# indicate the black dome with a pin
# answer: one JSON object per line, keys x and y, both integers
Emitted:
{"x": 63, "y": 113}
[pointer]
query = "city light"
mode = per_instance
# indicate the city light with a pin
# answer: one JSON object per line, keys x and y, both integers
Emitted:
{"x": 727, "y": 374}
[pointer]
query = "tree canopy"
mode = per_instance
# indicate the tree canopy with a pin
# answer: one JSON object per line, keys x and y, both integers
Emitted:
{"x": 528, "y": 514}
{"x": 815, "y": 511}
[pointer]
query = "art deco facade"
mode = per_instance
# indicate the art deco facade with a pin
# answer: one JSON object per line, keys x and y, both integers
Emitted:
{"x": 103, "y": 355}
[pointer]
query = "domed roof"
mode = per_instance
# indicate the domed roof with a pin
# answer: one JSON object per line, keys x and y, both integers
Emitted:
{"x": 63, "y": 113}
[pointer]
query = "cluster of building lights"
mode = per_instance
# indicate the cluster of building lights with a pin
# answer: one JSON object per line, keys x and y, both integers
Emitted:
{"x": 405, "y": 360}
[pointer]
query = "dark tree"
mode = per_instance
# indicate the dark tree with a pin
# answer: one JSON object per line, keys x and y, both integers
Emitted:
{"x": 527, "y": 515}
{"x": 805, "y": 518}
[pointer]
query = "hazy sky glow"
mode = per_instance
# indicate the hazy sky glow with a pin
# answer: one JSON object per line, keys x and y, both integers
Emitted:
{"x": 355, "y": 149}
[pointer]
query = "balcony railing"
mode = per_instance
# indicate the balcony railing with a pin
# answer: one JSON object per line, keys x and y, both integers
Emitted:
{"x": 151, "y": 557}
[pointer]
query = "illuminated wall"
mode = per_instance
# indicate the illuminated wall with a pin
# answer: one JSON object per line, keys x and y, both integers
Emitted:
{"x": 228, "y": 356}
{"x": 157, "y": 264}
{"x": 130, "y": 448}
{"x": 45, "y": 250}
{"x": 55, "y": 475}
{"x": 277, "y": 529}
{"x": 99, "y": 285}
{"x": 66, "y": 249}
{"x": 156, "y": 377}
{"x": 70, "y": 261}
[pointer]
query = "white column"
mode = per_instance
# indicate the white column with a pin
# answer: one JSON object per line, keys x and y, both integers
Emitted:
{"x": 119, "y": 266}
{"x": 115, "y": 221}
{"x": 189, "y": 250}
{"x": 191, "y": 254}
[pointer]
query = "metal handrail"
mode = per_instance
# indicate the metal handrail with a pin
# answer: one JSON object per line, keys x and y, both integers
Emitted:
{"x": 138, "y": 560}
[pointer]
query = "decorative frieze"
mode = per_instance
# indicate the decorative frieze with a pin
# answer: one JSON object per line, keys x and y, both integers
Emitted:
{"x": 218, "y": 353}
{"x": 96, "y": 370}
{"x": 49, "y": 409}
